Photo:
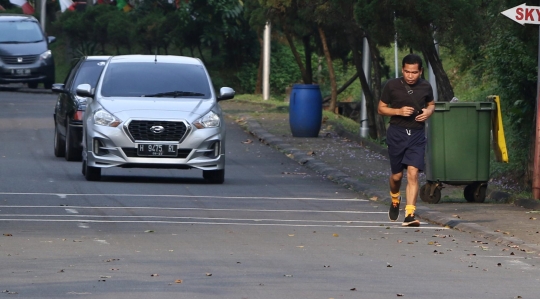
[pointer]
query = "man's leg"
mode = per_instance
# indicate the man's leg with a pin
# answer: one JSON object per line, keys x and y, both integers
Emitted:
{"x": 412, "y": 194}
{"x": 395, "y": 184}
{"x": 412, "y": 185}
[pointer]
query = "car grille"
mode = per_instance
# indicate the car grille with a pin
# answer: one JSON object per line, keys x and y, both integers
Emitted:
{"x": 172, "y": 130}
{"x": 132, "y": 153}
{"x": 25, "y": 59}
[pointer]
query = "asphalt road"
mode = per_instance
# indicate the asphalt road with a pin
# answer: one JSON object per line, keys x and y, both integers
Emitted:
{"x": 275, "y": 229}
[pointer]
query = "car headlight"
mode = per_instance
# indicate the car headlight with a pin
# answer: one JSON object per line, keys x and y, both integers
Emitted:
{"x": 210, "y": 120}
{"x": 45, "y": 55}
{"x": 104, "y": 118}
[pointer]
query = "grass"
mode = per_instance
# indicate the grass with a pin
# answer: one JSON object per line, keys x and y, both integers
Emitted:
{"x": 278, "y": 105}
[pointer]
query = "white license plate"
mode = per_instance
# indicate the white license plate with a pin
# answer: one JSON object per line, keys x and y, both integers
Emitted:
{"x": 160, "y": 150}
{"x": 21, "y": 72}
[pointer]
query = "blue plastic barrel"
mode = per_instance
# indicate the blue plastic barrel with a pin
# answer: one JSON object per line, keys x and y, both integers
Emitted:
{"x": 305, "y": 110}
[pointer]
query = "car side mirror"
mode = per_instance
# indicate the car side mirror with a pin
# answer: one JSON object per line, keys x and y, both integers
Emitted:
{"x": 51, "y": 39}
{"x": 226, "y": 93}
{"x": 58, "y": 88}
{"x": 84, "y": 90}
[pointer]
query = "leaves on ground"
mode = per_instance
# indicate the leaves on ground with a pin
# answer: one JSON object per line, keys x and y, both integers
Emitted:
{"x": 178, "y": 281}
{"x": 8, "y": 235}
{"x": 294, "y": 173}
{"x": 247, "y": 141}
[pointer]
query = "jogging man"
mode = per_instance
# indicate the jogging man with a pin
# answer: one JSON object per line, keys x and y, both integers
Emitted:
{"x": 409, "y": 103}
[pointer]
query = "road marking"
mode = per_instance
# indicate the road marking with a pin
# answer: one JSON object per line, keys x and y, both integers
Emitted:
{"x": 62, "y": 195}
{"x": 72, "y": 211}
{"x": 199, "y": 209}
{"x": 200, "y": 218}
{"x": 396, "y": 225}
{"x": 83, "y": 225}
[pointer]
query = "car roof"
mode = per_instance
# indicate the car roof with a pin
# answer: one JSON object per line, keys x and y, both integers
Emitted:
{"x": 154, "y": 58}
{"x": 16, "y": 17}
{"x": 97, "y": 57}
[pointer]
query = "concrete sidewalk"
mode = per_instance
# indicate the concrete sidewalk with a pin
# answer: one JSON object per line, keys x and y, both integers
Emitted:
{"x": 362, "y": 166}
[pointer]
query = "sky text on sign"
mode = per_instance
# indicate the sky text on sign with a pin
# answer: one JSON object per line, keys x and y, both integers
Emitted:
{"x": 524, "y": 14}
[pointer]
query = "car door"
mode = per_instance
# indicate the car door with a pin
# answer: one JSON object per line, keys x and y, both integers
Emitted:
{"x": 65, "y": 99}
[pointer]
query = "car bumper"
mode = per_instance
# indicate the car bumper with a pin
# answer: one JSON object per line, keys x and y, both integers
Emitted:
{"x": 38, "y": 71}
{"x": 111, "y": 147}
{"x": 76, "y": 135}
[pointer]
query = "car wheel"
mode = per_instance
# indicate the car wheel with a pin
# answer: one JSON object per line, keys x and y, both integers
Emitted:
{"x": 72, "y": 152}
{"x": 48, "y": 84}
{"x": 59, "y": 143}
{"x": 32, "y": 85}
{"x": 214, "y": 176}
{"x": 91, "y": 173}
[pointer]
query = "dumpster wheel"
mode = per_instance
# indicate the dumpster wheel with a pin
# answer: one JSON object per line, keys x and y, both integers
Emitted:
{"x": 430, "y": 192}
{"x": 475, "y": 192}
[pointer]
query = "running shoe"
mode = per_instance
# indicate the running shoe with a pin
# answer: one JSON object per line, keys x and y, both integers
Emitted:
{"x": 393, "y": 213}
{"x": 411, "y": 221}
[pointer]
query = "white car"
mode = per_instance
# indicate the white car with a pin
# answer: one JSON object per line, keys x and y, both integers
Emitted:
{"x": 154, "y": 111}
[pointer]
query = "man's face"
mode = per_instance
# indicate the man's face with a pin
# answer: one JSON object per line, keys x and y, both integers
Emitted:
{"x": 411, "y": 73}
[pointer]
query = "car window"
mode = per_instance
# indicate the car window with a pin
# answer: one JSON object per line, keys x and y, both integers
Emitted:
{"x": 143, "y": 78}
{"x": 20, "y": 31}
{"x": 72, "y": 72}
{"x": 89, "y": 73}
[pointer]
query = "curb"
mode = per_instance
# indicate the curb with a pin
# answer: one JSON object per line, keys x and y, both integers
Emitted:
{"x": 255, "y": 128}
{"x": 23, "y": 89}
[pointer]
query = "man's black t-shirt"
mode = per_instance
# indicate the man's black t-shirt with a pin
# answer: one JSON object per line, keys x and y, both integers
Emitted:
{"x": 395, "y": 95}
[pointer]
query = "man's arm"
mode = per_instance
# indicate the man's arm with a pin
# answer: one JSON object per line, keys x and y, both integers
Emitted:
{"x": 385, "y": 110}
{"x": 426, "y": 112}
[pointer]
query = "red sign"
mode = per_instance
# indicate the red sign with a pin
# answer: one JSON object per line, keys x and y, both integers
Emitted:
{"x": 524, "y": 14}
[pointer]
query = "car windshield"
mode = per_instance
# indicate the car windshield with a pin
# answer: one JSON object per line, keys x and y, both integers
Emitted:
{"x": 20, "y": 32}
{"x": 89, "y": 73}
{"x": 138, "y": 79}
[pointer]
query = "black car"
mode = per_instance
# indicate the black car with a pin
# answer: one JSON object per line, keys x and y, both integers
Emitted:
{"x": 25, "y": 56}
{"x": 69, "y": 109}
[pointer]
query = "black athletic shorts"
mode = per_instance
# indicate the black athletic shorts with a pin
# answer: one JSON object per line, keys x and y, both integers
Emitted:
{"x": 406, "y": 147}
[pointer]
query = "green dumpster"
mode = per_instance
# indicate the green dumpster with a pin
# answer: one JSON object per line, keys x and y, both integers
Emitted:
{"x": 458, "y": 149}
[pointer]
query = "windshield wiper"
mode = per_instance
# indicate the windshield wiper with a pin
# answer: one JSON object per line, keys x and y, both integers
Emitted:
{"x": 174, "y": 94}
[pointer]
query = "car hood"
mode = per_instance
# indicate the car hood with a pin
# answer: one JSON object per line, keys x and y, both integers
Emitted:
{"x": 158, "y": 108}
{"x": 23, "y": 49}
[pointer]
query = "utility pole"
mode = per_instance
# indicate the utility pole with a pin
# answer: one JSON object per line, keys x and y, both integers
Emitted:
{"x": 396, "y": 63}
{"x": 366, "y": 65}
{"x": 432, "y": 79}
{"x": 266, "y": 61}
{"x": 43, "y": 13}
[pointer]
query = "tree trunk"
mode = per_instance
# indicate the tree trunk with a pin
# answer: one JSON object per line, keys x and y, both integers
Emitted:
{"x": 529, "y": 172}
{"x": 200, "y": 52}
{"x": 308, "y": 51}
{"x": 379, "y": 119}
{"x": 305, "y": 77}
{"x": 258, "y": 85}
{"x": 444, "y": 88}
{"x": 332, "y": 74}
{"x": 342, "y": 88}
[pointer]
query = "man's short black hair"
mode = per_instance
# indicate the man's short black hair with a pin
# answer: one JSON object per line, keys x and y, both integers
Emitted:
{"x": 412, "y": 59}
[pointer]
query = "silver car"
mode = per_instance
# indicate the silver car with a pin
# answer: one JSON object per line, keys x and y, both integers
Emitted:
{"x": 154, "y": 111}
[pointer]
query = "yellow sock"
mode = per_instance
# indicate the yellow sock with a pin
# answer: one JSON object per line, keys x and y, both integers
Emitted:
{"x": 395, "y": 196}
{"x": 409, "y": 210}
